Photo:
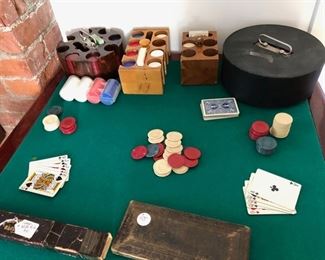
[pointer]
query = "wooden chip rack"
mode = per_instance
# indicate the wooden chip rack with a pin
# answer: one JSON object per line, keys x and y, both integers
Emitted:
{"x": 145, "y": 79}
{"x": 199, "y": 59}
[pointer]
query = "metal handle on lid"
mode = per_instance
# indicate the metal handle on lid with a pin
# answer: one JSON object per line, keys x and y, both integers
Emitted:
{"x": 270, "y": 47}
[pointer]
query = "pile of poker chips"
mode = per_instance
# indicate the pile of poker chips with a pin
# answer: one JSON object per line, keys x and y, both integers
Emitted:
{"x": 94, "y": 91}
{"x": 281, "y": 125}
{"x": 52, "y": 122}
{"x": 167, "y": 158}
{"x": 260, "y": 130}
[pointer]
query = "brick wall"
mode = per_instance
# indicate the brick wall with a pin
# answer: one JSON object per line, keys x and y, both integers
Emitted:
{"x": 28, "y": 37}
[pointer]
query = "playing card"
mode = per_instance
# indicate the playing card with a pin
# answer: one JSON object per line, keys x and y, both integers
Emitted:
{"x": 256, "y": 201}
{"x": 219, "y": 107}
{"x": 274, "y": 189}
{"x": 206, "y": 118}
{"x": 42, "y": 183}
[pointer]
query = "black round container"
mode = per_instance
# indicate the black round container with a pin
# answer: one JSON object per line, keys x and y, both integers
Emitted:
{"x": 263, "y": 72}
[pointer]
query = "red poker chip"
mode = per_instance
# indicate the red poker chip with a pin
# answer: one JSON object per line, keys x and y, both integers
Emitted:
{"x": 69, "y": 131}
{"x": 161, "y": 150}
{"x": 68, "y": 122}
{"x": 253, "y": 137}
{"x": 192, "y": 153}
{"x": 258, "y": 134}
{"x": 139, "y": 152}
{"x": 157, "y": 158}
{"x": 176, "y": 160}
{"x": 260, "y": 127}
{"x": 191, "y": 163}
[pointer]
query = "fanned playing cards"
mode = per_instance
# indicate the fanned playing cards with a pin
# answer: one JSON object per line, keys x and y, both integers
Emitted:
{"x": 46, "y": 177}
{"x": 269, "y": 194}
{"x": 219, "y": 108}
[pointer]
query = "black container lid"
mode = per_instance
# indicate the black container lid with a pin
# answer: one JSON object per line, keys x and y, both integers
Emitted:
{"x": 242, "y": 50}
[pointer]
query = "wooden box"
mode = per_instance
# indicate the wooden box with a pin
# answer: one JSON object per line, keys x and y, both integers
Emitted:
{"x": 152, "y": 232}
{"x": 146, "y": 79}
{"x": 78, "y": 57}
{"x": 199, "y": 59}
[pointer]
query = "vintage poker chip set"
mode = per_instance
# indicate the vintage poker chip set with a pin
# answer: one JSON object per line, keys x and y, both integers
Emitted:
{"x": 93, "y": 91}
{"x": 167, "y": 157}
{"x": 93, "y": 52}
{"x": 144, "y": 64}
{"x": 199, "y": 58}
{"x": 260, "y": 131}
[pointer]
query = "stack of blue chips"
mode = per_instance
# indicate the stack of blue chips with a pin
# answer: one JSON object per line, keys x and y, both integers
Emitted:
{"x": 110, "y": 92}
{"x": 266, "y": 145}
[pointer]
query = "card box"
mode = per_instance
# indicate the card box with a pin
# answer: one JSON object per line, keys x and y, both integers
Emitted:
{"x": 172, "y": 234}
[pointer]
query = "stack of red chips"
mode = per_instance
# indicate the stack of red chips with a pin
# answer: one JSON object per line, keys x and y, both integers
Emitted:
{"x": 68, "y": 125}
{"x": 258, "y": 129}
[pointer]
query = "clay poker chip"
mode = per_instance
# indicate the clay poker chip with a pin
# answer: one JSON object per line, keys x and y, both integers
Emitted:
{"x": 160, "y": 152}
{"x": 153, "y": 150}
{"x": 192, "y": 153}
{"x": 68, "y": 125}
{"x": 191, "y": 163}
{"x": 176, "y": 160}
{"x": 260, "y": 127}
{"x": 161, "y": 168}
{"x": 174, "y": 136}
{"x": 155, "y": 136}
{"x": 55, "y": 110}
{"x": 266, "y": 145}
{"x": 139, "y": 152}
{"x": 181, "y": 170}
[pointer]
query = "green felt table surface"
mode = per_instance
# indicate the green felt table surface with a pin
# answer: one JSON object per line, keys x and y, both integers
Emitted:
{"x": 104, "y": 178}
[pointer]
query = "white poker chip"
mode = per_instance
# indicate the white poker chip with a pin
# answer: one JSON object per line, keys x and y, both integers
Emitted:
{"x": 157, "y": 53}
{"x": 188, "y": 45}
{"x": 51, "y": 123}
{"x": 154, "y": 64}
{"x": 161, "y": 35}
{"x": 143, "y": 219}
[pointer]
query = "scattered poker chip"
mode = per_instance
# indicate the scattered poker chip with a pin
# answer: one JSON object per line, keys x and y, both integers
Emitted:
{"x": 172, "y": 144}
{"x": 181, "y": 170}
{"x": 155, "y": 134}
{"x": 192, "y": 153}
{"x": 174, "y": 136}
{"x": 161, "y": 150}
{"x": 174, "y": 149}
{"x": 161, "y": 168}
{"x": 191, "y": 163}
{"x": 176, "y": 160}
{"x": 55, "y": 110}
{"x": 139, "y": 152}
{"x": 156, "y": 141}
{"x": 153, "y": 150}
{"x": 168, "y": 157}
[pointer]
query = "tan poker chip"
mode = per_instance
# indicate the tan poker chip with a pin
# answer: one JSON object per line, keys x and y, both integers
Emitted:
{"x": 156, "y": 141}
{"x": 172, "y": 144}
{"x": 175, "y": 150}
{"x": 155, "y": 134}
{"x": 283, "y": 119}
{"x": 180, "y": 170}
{"x": 174, "y": 136}
{"x": 279, "y": 133}
{"x": 161, "y": 168}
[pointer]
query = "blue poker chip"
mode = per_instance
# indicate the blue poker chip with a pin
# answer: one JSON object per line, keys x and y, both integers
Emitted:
{"x": 55, "y": 110}
{"x": 153, "y": 150}
{"x": 266, "y": 145}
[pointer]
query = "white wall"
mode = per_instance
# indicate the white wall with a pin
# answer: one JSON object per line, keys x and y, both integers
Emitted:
{"x": 225, "y": 16}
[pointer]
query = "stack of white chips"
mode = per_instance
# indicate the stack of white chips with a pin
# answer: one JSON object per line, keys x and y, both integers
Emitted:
{"x": 76, "y": 89}
{"x": 51, "y": 123}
